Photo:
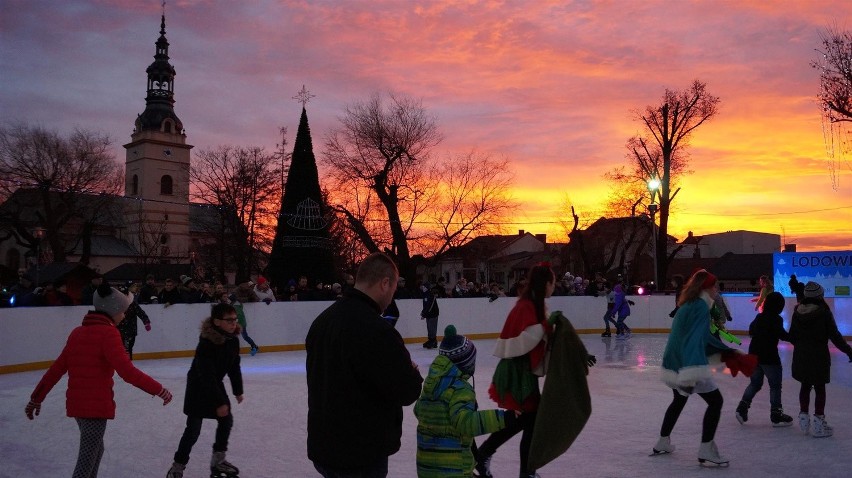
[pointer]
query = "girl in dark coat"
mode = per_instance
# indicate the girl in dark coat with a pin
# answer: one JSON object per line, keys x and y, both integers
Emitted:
{"x": 128, "y": 328}
{"x": 811, "y": 328}
{"x": 217, "y": 355}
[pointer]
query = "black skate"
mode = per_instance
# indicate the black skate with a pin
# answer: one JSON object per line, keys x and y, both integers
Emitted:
{"x": 224, "y": 470}
{"x": 220, "y": 468}
{"x": 742, "y": 412}
{"x": 780, "y": 419}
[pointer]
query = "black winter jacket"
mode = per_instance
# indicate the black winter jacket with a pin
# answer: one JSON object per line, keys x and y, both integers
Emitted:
{"x": 360, "y": 375}
{"x": 765, "y": 331}
{"x": 217, "y": 355}
{"x": 811, "y": 328}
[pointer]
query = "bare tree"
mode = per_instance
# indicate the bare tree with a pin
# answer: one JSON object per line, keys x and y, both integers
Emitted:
{"x": 382, "y": 145}
{"x": 835, "y": 97}
{"x": 50, "y": 182}
{"x": 470, "y": 194}
{"x": 243, "y": 185}
{"x": 660, "y": 152}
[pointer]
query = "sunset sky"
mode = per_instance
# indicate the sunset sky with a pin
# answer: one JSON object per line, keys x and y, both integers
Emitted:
{"x": 549, "y": 85}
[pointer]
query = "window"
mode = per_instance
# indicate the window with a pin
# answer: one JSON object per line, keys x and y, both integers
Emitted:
{"x": 166, "y": 186}
{"x": 134, "y": 185}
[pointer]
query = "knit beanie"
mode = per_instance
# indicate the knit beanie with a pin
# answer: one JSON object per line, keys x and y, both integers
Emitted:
{"x": 709, "y": 281}
{"x": 110, "y": 301}
{"x": 459, "y": 350}
{"x": 812, "y": 289}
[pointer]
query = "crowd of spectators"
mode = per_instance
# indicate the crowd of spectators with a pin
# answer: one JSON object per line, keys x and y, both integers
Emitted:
{"x": 188, "y": 290}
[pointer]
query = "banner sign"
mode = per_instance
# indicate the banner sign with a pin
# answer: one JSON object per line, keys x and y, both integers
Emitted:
{"x": 832, "y": 270}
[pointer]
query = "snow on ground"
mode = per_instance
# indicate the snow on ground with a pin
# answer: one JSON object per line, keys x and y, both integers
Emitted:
{"x": 268, "y": 439}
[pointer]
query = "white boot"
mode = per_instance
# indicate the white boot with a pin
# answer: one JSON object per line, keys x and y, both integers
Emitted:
{"x": 663, "y": 446}
{"x": 804, "y": 422}
{"x": 821, "y": 427}
{"x": 708, "y": 452}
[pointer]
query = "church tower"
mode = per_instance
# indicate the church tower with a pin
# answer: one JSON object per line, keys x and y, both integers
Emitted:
{"x": 157, "y": 169}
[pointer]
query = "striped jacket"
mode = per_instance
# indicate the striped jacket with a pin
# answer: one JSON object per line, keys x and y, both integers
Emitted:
{"x": 448, "y": 420}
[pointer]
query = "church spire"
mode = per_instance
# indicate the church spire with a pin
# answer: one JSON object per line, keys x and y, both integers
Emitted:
{"x": 159, "y": 114}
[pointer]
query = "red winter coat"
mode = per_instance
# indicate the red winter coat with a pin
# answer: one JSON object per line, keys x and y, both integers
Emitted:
{"x": 93, "y": 353}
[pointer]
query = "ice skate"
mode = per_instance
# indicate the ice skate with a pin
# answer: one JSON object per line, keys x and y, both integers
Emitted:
{"x": 254, "y": 350}
{"x": 220, "y": 468}
{"x": 779, "y": 418}
{"x": 742, "y": 412}
{"x": 663, "y": 447}
{"x": 708, "y": 455}
{"x": 483, "y": 467}
{"x": 804, "y": 422}
{"x": 606, "y": 333}
{"x": 821, "y": 427}
{"x": 176, "y": 471}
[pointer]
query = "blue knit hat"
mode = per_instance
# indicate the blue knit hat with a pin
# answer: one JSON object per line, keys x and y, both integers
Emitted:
{"x": 459, "y": 350}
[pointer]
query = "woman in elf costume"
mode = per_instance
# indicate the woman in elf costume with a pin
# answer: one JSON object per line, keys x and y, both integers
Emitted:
{"x": 522, "y": 348}
{"x": 687, "y": 369}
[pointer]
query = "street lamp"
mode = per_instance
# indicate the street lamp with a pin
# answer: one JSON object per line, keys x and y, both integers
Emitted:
{"x": 653, "y": 188}
{"x": 38, "y": 233}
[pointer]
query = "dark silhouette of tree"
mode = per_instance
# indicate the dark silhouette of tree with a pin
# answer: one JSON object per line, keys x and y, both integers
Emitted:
{"x": 380, "y": 151}
{"x": 242, "y": 184}
{"x": 302, "y": 244}
{"x": 835, "y": 96}
{"x": 59, "y": 184}
{"x": 660, "y": 152}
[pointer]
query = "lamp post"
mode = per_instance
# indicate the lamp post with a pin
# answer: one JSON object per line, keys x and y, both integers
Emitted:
{"x": 38, "y": 233}
{"x": 653, "y": 188}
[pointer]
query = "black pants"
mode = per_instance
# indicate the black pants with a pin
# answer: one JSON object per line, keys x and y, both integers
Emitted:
{"x": 711, "y": 416}
{"x": 193, "y": 430}
{"x": 525, "y": 423}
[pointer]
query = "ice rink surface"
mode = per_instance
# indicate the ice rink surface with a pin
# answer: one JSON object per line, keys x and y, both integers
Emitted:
{"x": 268, "y": 438}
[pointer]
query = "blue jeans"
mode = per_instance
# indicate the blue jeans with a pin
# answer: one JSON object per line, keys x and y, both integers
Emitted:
{"x": 379, "y": 469}
{"x": 773, "y": 376}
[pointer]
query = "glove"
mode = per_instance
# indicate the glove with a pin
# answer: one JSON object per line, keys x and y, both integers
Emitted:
{"x": 32, "y": 410}
{"x": 554, "y": 316}
{"x": 267, "y": 300}
{"x": 591, "y": 360}
{"x": 631, "y": 302}
{"x": 148, "y": 327}
{"x": 738, "y": 362}
{"x": 166, "y": 395}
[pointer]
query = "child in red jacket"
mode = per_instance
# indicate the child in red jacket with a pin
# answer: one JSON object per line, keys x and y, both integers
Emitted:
{"x": 93, "y": 353}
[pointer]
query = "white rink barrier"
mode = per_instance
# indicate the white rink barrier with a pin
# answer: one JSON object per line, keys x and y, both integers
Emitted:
{"x": 30, "y": 338}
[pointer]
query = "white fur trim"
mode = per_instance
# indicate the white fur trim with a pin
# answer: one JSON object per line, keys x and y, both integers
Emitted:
{"x": 685, "y": 377}
{"x": 520, "y": 345}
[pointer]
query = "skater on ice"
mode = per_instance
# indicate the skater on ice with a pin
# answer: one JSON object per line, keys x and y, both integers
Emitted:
{"x": 686, "y": 366}
{"x": 766, "y": 330}
{"x": 217, "y": 355}
{"x": 93, "y": 353}
{"x": 447, "y": 412}
{"x": 811, "y": 327}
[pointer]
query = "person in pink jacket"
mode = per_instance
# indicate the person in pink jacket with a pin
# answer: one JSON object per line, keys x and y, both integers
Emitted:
{"x": 93, "y": 353}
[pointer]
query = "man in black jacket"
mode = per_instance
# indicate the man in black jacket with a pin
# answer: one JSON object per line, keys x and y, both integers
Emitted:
{"x": 360, "y": 375}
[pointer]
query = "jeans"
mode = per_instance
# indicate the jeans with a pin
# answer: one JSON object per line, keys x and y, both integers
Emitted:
{"x": 773, "y": 376}
{"x": 248, "y": 339}
{"x": 379, "y": 469}
{"x": 193, "y": 430}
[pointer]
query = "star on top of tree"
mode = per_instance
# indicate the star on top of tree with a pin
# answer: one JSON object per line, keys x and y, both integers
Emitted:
{"x": 303, "y": 96}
